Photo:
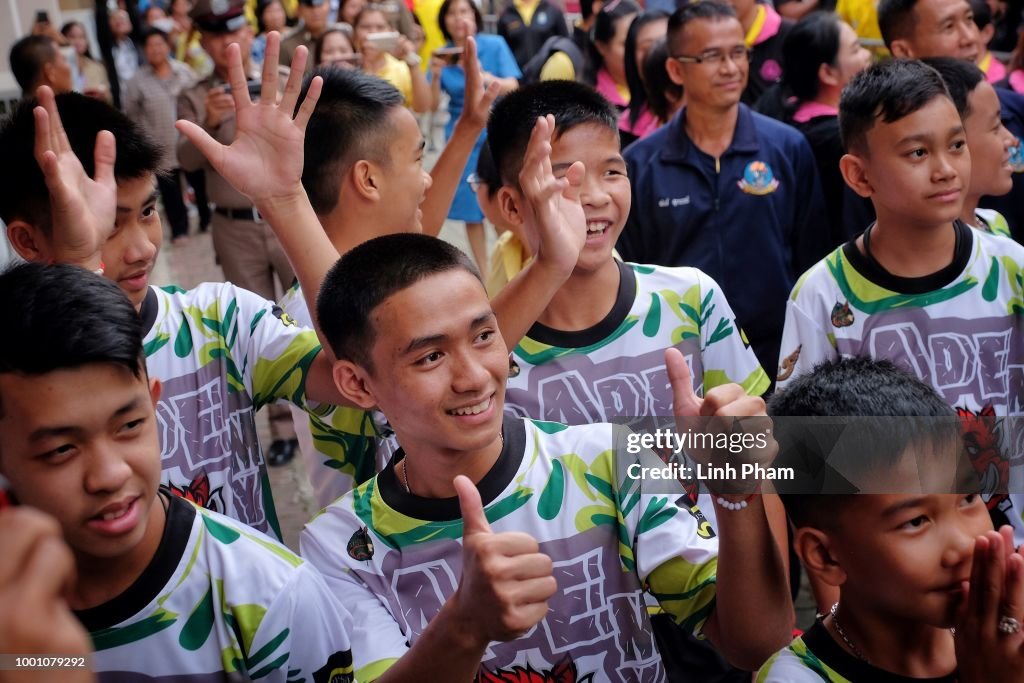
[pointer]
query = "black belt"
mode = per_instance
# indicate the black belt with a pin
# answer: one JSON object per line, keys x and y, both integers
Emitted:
{"x": 250, "y": 214}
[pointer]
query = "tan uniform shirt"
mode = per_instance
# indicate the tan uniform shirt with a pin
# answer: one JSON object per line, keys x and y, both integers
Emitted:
{"x": 191, "y": 107}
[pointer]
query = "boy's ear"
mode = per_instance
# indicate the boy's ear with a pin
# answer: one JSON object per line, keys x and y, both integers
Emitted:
{"x": 351, "y": 382}
{"x": 854, "y": 173}
{"x": 900, "y": 49}
{"x": 366, "y": 179}
{"x": 155, "y": 390}
{"x": 814, "y": 548}
{"x": 29, "y": 241}
{"x": 508, "y": 203}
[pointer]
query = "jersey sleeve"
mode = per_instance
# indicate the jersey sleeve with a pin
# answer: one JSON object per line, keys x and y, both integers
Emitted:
{"x": 673, "y": 548}
{"x": 377, "y": 639}
{"x": 725, "y": 353}
{"x": 276, "y": 351}
{"x": 304, "y": 634}
{"x": 796, "y": 664}
{"x": 507, "y": 66}
{"x": 805, "y": 342}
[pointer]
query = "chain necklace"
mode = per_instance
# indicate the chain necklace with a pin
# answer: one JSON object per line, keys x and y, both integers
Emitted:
{"x": 834, "y": 612}
{"x": 405, "y": 464}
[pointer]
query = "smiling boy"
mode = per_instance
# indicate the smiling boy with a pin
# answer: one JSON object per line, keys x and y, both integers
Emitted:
{"x": 596, "y": 353}
{"x": 988, "y": 139}
{"x": 918, "y": 287}
{"x": 415, "y": 335}
{"x": 166, "y": 589}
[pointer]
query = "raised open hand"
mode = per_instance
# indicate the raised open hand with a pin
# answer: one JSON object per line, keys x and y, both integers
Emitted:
{"x": 264, "y": 161}
{"x": 82, "y": 209}
{"x": 477, "y": 100}
{"x": 552, "y": 208}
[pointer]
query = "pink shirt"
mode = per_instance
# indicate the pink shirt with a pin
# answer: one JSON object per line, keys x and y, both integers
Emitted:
{"x": 1017, "y": 81}
{"x": 812, "y": 110}
{"x": 996, "y": 71}
{"x": 606, "y": 86}
{"x": 646, "y": 123}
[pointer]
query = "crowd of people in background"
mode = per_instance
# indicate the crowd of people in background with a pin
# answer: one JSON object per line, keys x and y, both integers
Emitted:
{"x": 703, "y": 210}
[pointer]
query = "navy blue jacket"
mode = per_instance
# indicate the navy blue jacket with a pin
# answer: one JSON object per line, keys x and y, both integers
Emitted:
{"x": 1011, "y": 205}
{"x": 753, "y": 230}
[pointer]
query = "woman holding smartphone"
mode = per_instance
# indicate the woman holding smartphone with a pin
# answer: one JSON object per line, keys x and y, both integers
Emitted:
{"x": 458, "y": 20}
{"x": 375, "y": 38}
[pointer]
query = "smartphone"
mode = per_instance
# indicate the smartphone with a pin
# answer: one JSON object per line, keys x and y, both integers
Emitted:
{"x": 384, "y": 41}
{"x": 452, "y": 54}
{"x": 42, "y": 17}
{"x": 255, "y": 88}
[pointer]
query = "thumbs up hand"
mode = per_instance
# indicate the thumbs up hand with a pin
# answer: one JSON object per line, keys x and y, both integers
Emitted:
{"x": 729, "y": 414}
{"x": 506, "y": 581}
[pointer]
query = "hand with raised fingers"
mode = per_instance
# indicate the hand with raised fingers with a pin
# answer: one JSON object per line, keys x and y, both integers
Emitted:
{"x": 506, "y": 580}
{"x": 82, "y": 209}
{"x": 989, "y": 637}
{"x": 264, "y": 161}
{"x": 479, "y": 95}
{"x": 36, "y": 570}
{"x": 552, "y": 210}
{"x": 731, "y": 418}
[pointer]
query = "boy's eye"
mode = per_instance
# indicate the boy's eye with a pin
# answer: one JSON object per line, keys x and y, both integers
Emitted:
{"x": 915, "y": 523}
{"x": 918, "y": 153}
{"x": 970, "y": 499}
{"x": 959, "y": 145}
{"x": 133, "y": 425}
{"x": 485, "y": 336}
{"x": 149, "y": 211}
{"x": 57, "y": 455}
{"x": 430, "y": 358}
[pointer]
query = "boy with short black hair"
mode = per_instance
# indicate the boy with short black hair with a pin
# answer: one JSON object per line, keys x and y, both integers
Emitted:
{"x": 989, "y": 141}
{"x": 168, "y": 590}
{"x": 909, "y": 563}
{"x": 918, "y": 287}
{"x": 916, "y": 29}
{"x": 221, "y": 352}
{"x": 596, "y": 354}
{"x": 409, "y": 320}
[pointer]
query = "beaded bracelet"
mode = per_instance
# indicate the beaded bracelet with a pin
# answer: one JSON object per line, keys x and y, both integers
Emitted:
{"x": 738, "y": 505}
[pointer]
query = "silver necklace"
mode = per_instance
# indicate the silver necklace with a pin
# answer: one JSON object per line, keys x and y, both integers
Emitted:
{"x": 834, "y": 612}
{"x": 405, "y": 464}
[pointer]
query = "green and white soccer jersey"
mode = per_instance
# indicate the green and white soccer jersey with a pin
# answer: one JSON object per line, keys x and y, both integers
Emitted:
{"x": 221, "y": 353}
{"x": 615, "y": 371}
{"x": 221, "y": 602}
{"x": 959, "y": 330}
{"x": 992, "y": 221}
{"x": 394, "y": 558}
{"x": 338, "y": 444}
{"x": 816, "y": 658}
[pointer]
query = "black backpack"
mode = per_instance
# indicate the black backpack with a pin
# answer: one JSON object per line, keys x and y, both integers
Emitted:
{"x": 532, "y": 69}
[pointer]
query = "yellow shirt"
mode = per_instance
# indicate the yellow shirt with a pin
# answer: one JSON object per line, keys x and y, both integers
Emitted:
{"x": 558, "y": 68}
{"x": 396, "y": 72}
{"x": 862, "y": 15}
{"x": 508, "y": 258}
{"x": 426, "y": 11}
{"x": 526, "y": 8}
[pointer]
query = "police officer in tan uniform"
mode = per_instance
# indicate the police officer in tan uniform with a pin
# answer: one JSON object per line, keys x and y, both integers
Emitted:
{"x": 313, "y": 16}
{"x": 246, "y": 247}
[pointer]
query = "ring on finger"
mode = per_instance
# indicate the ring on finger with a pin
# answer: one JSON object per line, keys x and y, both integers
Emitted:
{"x": 1008, "y": 626}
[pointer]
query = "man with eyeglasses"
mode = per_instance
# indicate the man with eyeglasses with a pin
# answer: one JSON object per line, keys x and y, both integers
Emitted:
{"x": 722, "y": 188}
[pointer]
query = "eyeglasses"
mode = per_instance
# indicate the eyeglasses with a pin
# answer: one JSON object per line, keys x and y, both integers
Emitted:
{"x": 475, "y": 181}
{"x": 738, "y": 54}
